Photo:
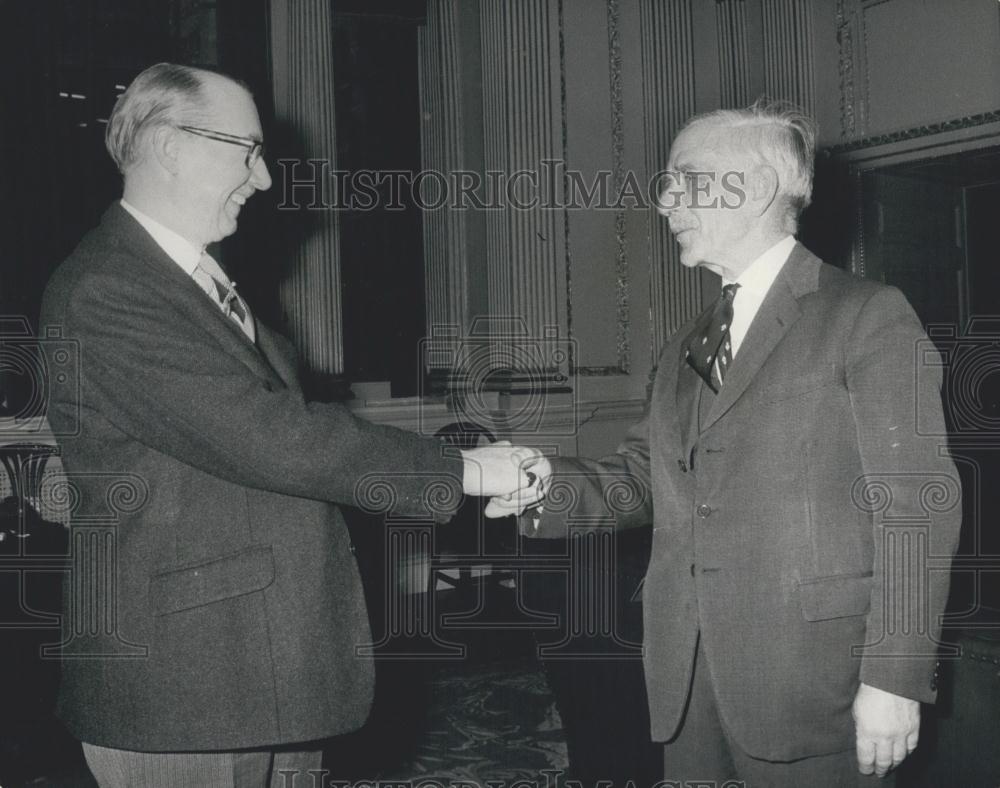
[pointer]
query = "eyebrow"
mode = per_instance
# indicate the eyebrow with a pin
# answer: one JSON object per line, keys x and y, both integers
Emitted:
{"x": 689, "y": 165}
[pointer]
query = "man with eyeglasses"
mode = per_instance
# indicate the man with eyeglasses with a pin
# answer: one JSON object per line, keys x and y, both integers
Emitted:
{"x": 231, "y": 648}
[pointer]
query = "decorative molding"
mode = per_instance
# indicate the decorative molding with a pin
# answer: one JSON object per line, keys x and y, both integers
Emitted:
{"x": 929, "y": 130}
{"x": 622, "y": 280}
{"x": 564, "y": 130}
{"x": 858, "y": 267}
{"x": 845, "y": 41}
{"x": 865, "y": 98}
{"x": 600, "y": 372}
{"x": 618, "y": 148}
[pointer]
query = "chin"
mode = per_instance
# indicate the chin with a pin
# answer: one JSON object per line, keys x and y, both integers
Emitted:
{"x": 224, "y": 230}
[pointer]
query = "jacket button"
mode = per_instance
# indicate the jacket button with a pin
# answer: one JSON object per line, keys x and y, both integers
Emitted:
{"x": 703, "y": 510}
{"x": 353, "y": 549}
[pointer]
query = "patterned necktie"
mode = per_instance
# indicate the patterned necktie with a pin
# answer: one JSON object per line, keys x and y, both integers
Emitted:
{"x": 218, "y": 286}
{"x": 230, "y": 300}
{"x": 710, "y": 352}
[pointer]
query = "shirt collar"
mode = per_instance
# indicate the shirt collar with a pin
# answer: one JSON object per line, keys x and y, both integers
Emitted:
{"x": 761, "y": 273}
{"x": 179, "y": 249}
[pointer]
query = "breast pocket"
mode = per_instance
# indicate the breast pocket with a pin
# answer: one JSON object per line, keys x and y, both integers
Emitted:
{"x": 792, "y": 386}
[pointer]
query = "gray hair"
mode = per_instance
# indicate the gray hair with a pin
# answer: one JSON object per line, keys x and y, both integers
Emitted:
{"x": 164, "y": 94}
{"x": 778, "y": 134}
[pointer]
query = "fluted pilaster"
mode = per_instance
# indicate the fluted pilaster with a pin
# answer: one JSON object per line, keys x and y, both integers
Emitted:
{"x": 669, "y": 98}
{"x": 734, "y": 54}
{"x": 789, "y": 52}
{"x": 525, "y": 246}
{"x": 443, "y": 151}
{"x": 302, "y": 68}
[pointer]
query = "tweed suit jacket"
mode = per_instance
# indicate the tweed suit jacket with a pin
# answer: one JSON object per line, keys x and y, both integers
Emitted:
{"x": 784, "y": 510}
{"x": 238, "y": 607}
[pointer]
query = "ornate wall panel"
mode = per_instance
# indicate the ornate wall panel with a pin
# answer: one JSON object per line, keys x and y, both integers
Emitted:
{"x": 594, "y": 91}
{"x": 905, "y": 64}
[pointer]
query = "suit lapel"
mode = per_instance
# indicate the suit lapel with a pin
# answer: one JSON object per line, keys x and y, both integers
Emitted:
{"x": 779, "y": 311}
{"x": 172, "y": 284}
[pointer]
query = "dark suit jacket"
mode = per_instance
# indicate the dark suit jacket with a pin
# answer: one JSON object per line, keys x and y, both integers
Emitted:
{"x": 766, "y": 540}
{"x": 236, "y": 575}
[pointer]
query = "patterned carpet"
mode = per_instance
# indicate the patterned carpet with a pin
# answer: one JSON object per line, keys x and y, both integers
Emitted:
{"x": 489, "y": 724}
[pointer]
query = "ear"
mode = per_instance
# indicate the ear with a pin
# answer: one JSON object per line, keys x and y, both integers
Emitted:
{"x": 763, "y": 188}
{"x": 166, "y": 148}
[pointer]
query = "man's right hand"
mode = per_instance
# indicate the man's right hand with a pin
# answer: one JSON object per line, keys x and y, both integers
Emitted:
{"x": 497, "y": 469}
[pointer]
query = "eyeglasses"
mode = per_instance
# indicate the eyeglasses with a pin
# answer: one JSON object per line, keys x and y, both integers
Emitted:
{"x": 255, "y": 148}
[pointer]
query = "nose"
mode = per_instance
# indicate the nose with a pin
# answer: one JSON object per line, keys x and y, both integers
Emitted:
{"x": 260, "y": 178}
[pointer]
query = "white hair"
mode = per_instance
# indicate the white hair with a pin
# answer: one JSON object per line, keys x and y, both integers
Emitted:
{"x": 778, "y": 134}
{"x": 166, "y": 94}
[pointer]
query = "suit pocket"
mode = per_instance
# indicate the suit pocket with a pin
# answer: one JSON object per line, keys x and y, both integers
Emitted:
{"x": 224, "y": 578}
{"x": 797, "y": 386}
{"x": 838, "y": 596}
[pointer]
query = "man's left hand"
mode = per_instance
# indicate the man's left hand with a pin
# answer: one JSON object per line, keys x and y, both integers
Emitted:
{"x": 540, "y": 471}
{"x": 887, "y": 727}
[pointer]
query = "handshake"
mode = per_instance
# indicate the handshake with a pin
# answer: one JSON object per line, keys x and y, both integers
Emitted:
{"x": 515, "y": 478}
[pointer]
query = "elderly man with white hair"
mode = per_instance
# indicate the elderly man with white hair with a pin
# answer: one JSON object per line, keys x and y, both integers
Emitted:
{"x": 791, "y": 613}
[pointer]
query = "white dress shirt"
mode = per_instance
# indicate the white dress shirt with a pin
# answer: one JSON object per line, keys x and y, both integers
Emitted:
{"x": 754, "y": 283}
{"x": 195, "y": 262}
